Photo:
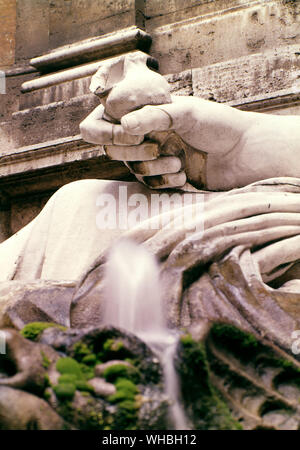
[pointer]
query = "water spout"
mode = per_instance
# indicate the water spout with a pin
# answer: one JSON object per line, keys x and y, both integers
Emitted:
{"x": 133, "y": 294}
{"x": 133, "y": 302}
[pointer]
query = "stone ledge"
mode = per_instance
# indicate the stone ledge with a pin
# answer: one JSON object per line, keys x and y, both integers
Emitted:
{"x": 244, "y": 78}
{"x": 159, "y": 14}
{"x": 96, "y": 48}
{"x": 276, "y": 100}
{"x": 47, "y": 166}
{"x": 58, "y": 119}
{"x": 46, "y": 154}
{"x": 50, "y": 179}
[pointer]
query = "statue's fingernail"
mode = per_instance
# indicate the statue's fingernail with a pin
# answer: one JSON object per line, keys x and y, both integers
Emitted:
{"x": 130, "y": 122}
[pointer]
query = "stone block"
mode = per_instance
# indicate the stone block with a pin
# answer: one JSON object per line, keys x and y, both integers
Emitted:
{"x": 40, "y": 301}
{"x": 181, "y": 83}
{"x": 9, "y": 102}
{"x": 160, "y": 13}
{"x": 32, "y": 33}
{"x": 242, "y": 78}
{"x": 55, "y": 120}
{"x": 7, "y": 32}
{"x": 73, "y": 20}
{"x": 209, "y": 39}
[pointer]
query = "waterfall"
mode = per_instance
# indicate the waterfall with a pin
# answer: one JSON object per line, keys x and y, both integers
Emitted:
{"x": 133, "y": 302}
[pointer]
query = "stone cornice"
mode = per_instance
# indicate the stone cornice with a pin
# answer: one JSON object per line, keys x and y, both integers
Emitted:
{"x": 47, "y": 166}
{"x": 275, "y": 100}
{"x": 96, "y": 48}
{"x": 51, "y": 153}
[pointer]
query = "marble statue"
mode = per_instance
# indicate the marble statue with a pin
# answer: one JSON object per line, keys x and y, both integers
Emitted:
{"x": 244, "y": 269}
{"x": 239, "y": 147}
{"x": 162, "y": 138}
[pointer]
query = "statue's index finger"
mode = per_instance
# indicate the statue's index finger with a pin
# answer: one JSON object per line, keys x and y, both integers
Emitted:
{"x": 96, "y": 130}
{"x": 149, "y": 118}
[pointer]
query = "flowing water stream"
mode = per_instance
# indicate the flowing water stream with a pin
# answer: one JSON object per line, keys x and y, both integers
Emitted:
{"x": 134, "y": 304}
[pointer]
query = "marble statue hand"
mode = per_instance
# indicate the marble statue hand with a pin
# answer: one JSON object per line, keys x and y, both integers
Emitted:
{"x": 141, "y": 156}
{"x": 240, "y": 147}
{"x": 204, "y": 125}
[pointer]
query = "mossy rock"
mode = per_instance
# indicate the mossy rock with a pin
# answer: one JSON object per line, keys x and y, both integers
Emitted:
{"x": 126, "y": 390}
{"x": 114, "y": 349}
{"x": 65, "y": 391}
{"x": 204, "y": 405}
{"x": 81, "y": 350}
{"x": 235, "y": 379}
{"x": 85, "y": 412}
{"x": 126, "y": 416}
{"x": 69, "y": 366}
{"x": 34, "y": 329}
{"x": 126, "y": 385}
{"x": 116, "y": 371}
{"x": 67, "y": 378}
{"x": 46, "y": 361}
{"x": 72, "y": 373}
{"x": 87, "y": 371}
{"x": 90, "y": 360}
{"x": 109, "y": 343}
{"x": 84, "y": 386}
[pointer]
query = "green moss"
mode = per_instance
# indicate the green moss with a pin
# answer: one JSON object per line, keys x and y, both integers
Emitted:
{"x": 72, "y": 374}
{"x": 97, "y": 419}
{"x": 126, "y": 416}
{"x": 126, "y": 385}
{"x": 113, "y": 345}
{"x": 87, "y": 371}
{"x": 130, "y": 361}
{"x": 65, "y": 391}
{"x": 248, "y": 349}
{"x": 203, "y": 401}
{"x": 235, "y": 339}
{"x": 187, "y": 340}
{"x": 119, "y": 396}
{"x": 125, "y": 397}
{"x": 67, "y": 378}
{"x": 34, "y": 329}
{"x": 81, "y": 350}
{"x": 46, "y": 361}
{"x": 273, "y": 360}
{"x": 85, "y": 393}
{"x": 116, "y": 371}
{"x": 90, "y": 360}
{"x": 47, "y": 380}
{"x": 113, "y": 349}
{"x": 126, "y": 390}
{"x": 69, "y": 365}
{"x": 47, "y": 395}
{"x": 129, "y": 406}
{"x": 84, "y": 386}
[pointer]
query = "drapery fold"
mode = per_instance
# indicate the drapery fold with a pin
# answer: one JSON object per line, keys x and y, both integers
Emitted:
{"x": 243, "y": 267}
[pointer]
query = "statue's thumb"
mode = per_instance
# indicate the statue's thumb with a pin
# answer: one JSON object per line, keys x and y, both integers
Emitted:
{"x": 149, "y": 118}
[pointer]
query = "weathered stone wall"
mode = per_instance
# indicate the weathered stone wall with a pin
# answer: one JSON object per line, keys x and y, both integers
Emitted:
{"x": 46, "y": 24}
{"x": 242, "y": 52}
{"x": 190, "y": 33}
{"x": 8, "y": 32}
